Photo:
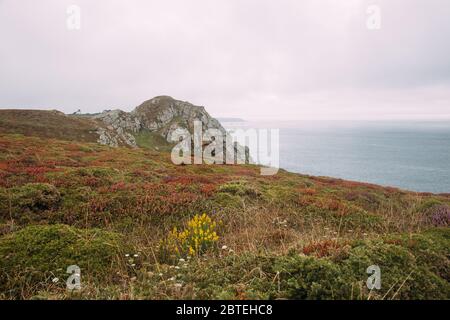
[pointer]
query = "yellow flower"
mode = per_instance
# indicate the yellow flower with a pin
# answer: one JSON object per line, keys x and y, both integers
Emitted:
{"x": 197, "y": 237}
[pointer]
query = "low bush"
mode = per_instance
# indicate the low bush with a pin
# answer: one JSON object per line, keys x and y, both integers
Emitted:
{"x": 312, "y": 278}
{"x": 199, "y": 236}
{"x": 21, "y": 202}
{"x": 239, "y": 188}
{"x": 33, "y": 256}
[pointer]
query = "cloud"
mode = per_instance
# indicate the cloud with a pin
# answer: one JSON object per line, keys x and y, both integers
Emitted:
{"x": 249, "y": 58}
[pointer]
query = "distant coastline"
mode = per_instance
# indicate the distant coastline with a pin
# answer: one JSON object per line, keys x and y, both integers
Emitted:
{"x": 231, "y": 120}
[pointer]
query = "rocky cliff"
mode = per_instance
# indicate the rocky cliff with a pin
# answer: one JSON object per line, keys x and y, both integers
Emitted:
{"x": 162, "y": 116}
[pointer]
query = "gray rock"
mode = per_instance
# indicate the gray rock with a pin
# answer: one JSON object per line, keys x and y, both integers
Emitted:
{"x": 162, "y": 115}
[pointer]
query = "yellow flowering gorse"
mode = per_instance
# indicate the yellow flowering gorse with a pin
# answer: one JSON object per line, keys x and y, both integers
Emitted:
{"x": 199, "y": 236}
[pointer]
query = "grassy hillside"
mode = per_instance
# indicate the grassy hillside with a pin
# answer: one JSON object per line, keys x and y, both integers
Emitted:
{"x": 48, "y": 124}
{"x": 140, "y": 227}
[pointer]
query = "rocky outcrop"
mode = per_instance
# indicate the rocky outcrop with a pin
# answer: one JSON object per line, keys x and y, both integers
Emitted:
{"x": 165, "y": 115}
{"x": 119, "y": 130}
{"x": 162, "y": 115}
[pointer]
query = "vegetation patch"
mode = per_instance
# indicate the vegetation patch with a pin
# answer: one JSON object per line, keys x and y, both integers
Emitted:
{"x": 287, "y": 236}
{"x": 196, "y": 239}
{"x": 239, "y": 188}
{"x": 24, "y": 202}
{"x": 438, "y": 215}
{"x": 32, "y": 257}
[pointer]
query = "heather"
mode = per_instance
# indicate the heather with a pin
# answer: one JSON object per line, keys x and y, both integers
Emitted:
{"x": 121, "y": 214}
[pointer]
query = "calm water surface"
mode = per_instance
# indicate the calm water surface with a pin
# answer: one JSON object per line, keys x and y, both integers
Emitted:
{"x": 409, "y": 155}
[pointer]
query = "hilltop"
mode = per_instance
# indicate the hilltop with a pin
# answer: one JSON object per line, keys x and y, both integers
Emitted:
{"x": 140, "y": 227}
{"x": 154, "y": 119}
{"x": 150, "y": 125}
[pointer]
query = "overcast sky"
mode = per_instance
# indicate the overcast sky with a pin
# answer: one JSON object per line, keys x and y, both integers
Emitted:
{"x": 254, "y": 59}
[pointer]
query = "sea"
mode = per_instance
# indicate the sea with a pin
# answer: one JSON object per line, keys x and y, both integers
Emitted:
{"x": 411, "y": 155}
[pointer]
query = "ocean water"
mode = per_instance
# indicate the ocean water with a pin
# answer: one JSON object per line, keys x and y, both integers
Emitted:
{"x": 409, "y": 155}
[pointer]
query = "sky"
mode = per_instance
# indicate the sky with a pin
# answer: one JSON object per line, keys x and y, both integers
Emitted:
{"x": 252, "y": 59}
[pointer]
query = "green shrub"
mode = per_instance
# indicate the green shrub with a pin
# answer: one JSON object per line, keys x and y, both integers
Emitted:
{"x": 281, "y": 195}
{"x": 226, "y": 200}
{"x": 239, "y": 188}
{"x": 31, "y": 257}
{"x": 412, "y": 267}
{"x": 99, "y": 172}
{"x": 37, "y": 196}
{"x": 395, "y": 263}
{"x": 29, "y": 198}
{"x": 405, "y": 274}
{"x": 312, "y": 278}
{"x": 430, "y": 248}
{"x": 245, "y": 276}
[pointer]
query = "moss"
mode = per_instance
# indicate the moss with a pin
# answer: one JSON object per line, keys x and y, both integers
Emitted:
{"x": 31, "y": 257}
